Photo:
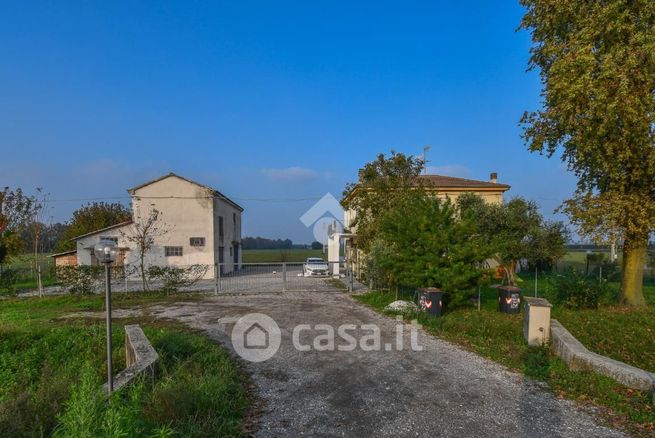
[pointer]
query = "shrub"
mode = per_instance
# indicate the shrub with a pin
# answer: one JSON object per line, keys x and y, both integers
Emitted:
{"x": 82, "y": 279}
{"x": 8, "y": 277}
{"x": 172, "y": 278}
{"x": 579, "y": 291}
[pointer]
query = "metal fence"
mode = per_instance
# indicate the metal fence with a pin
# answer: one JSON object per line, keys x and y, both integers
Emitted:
{"x": 285, "y": 276}
{"x": 220, "y": 278}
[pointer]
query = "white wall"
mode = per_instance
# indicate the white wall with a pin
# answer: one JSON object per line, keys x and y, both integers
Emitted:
{"x": 186, "y": 210}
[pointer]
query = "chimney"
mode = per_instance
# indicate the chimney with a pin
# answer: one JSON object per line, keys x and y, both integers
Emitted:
{"x": 493, "y": 178}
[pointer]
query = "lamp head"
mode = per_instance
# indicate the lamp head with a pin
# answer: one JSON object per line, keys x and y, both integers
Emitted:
{"x": 105, "y": 251}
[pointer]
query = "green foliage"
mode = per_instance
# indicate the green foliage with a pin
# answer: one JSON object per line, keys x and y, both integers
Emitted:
{"x": 536, "y": 362}
{"x": 597, "y": 65}
{"x": 424, "y": 244}
{"x": 579, "y": 291}
{"x": 51, "y": 374}
{"x": 376, "y": 265}
{"x": 8, "y": 277}
{"x": 80, "y": 279}
{"x": 382, "y": 184}
{"x": 172, "y": 278}
{"x": 316, "y": 245}
{"x": 17, "y": 211}
{"x": 514, "y": 231}
{"x": 91, "y": 217}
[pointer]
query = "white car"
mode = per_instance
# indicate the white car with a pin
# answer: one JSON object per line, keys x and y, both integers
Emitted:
{"x": 315, "y": 266}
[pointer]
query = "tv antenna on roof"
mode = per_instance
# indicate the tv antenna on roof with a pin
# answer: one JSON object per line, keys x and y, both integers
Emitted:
{"x": 426, "y": 148}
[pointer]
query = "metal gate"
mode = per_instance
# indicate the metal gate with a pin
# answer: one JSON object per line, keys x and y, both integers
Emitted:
{"x": 280, "y": 277}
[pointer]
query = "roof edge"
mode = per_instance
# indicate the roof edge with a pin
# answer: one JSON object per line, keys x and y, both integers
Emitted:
{"x": 111, "y": 227}
{"x": 215, "y": 192}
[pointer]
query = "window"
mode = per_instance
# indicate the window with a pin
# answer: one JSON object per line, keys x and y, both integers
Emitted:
{"x": 197, "y": 241}
{"x": 173, "y": 251}
{"x": 221, "y": 231}
{"x": 230, "y": 251}
{"x": 113, "y": 239}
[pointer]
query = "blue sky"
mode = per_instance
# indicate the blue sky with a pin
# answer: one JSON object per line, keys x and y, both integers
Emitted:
{"x": 273, "y": 103}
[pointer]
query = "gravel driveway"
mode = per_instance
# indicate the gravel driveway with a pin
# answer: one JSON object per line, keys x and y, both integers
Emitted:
{"x": 440, "y": 391}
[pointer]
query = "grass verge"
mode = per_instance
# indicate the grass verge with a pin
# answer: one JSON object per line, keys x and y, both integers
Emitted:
{"x": 499, "y": 337}
{"x": 51, "y": 372}
{"x": 280, "y": 255}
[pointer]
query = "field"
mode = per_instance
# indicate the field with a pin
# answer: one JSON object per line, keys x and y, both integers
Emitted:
{"x": 52, "y": 369}
{"x": 623, "y": 334}
{"x": 280, "y": 255}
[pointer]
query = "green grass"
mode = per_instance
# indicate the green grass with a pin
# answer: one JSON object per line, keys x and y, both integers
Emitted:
{"x": 51, "y": 371}
{"x": 622, "y": 333}
{"x": 280, "y": 255}
{"x": 23, "y": 265}
{"x": 499, "y": 337}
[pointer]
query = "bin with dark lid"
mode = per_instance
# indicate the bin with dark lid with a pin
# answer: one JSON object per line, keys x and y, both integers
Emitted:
{"x": 509, "y": 299}
{"x": 431, "y": 300}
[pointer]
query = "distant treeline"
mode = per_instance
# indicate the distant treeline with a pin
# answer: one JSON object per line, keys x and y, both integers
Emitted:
{"x": 263, "y": 243}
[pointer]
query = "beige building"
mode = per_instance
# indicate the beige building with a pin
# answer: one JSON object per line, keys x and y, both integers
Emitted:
{"x": 201, "y": 226}
{"x": 444, "y": 187}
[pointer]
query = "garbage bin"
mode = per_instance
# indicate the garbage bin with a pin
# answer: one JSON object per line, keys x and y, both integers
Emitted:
{"x": 509, "y": 299}
{"x": 431, "y": 301}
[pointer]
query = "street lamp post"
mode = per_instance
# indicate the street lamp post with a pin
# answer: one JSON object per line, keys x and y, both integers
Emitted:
{"x": 105, "y": 252}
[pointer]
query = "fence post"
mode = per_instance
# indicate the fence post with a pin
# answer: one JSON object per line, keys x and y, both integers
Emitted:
{"x": 125, "y": 268}
{"x": 40, "y": 284}
{"x": 215, "y": 278}
{"x": 284, "y": 276}
{"x": 351, "y": 277}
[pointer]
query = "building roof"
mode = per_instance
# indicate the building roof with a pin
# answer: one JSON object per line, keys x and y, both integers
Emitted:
{"x": 59, "y": 254}
{"x": 442, "y": 181}
{"x": 214, "y": 192}
{"x": 102, "y": 230}
{"x": 452, "y": 183}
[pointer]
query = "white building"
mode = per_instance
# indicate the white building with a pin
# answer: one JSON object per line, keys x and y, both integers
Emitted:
{"x": 201, "y": 226}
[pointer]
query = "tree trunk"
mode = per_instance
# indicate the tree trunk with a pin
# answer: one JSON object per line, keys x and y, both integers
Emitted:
{"x": 143, "y": 274}
{"x": 510, "y": 272}
{"x": 632, "y": 276}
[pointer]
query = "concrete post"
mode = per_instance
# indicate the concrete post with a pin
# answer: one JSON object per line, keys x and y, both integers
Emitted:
{"x": 536, "y": 327}
{"x": 110, "y": 371}
{"x": 284, "y": 276}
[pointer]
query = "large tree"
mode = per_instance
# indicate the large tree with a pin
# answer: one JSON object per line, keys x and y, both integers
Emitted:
{"x": 382, "y": 183}
{"x": 91, "y": 217}
{"x": 426, "y": 244}
{"x": 17, "y": 210}
{"x": 597, "y": 64}
{"x": 514, "y": 231}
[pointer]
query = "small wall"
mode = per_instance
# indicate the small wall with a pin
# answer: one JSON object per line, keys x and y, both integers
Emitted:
{"x": 578, "y": 357}
{"x": 140, "y": 357}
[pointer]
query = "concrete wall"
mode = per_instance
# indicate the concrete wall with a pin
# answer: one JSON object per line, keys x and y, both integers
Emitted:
{"x": 230, "y": 244}
{"x": 186, "y": 211}
{"x": 65, "y": 260}
{"x": 140, "y": 358}
{"x": 577, "y": 357}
